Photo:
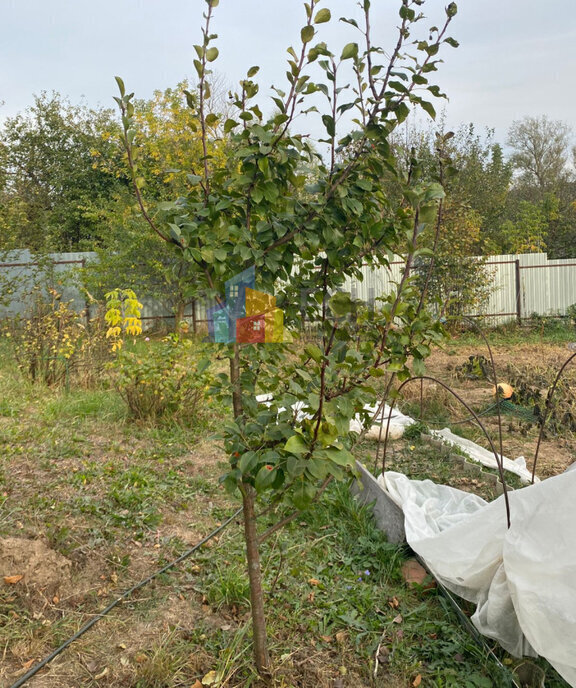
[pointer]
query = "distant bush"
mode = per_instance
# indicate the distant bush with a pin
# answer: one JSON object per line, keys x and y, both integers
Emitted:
{"x": 166, "y": 380}
{"x": 54, "y": 345}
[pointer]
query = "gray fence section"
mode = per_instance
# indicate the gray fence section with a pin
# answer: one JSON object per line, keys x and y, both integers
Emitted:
{"x": 521, "y": 285}
{"x": 23, "y": 274}
{"x": 527, "y": 284}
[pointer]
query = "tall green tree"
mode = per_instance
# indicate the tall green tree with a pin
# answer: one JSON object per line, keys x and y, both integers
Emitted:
{"x": 256, "y": 209}
{"x": 541, "y": 149}
{"x": 52, "y": 189}
{"x": 544, "y": 189}
{"x": 166, "y": 155}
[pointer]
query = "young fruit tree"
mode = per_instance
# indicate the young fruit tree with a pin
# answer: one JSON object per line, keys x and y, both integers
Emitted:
{"x": 278, "y": 228}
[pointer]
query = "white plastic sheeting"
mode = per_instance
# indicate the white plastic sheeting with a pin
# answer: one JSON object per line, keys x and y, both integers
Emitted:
{"x": 398, "y": 421}
{"x": 485, "y": 457}
{"x": 522, "y": 579}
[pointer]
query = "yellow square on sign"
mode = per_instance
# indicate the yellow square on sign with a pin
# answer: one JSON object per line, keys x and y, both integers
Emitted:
{"x": 258, "y": 302}
{"x": 274, "y": 326}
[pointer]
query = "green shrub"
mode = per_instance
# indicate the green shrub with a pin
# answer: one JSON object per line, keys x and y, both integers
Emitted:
{"x": 413, "y": 432}
{"x": 53, "y": 344}
{"x": 166, "y": 380}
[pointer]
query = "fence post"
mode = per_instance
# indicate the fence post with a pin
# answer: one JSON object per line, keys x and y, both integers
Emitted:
{"x": 194, "y": 316}
{"x": 518, "y": 292}
{"x": 86, "y": 305}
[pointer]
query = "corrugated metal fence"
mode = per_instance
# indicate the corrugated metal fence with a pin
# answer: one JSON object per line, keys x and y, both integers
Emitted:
{"x": 522, "y": 285}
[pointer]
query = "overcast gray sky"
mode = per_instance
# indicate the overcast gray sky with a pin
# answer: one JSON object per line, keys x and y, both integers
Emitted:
{"x": 516, "y": 57}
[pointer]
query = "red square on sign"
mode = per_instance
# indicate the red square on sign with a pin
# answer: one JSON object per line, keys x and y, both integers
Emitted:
{"x": 251, "y": 330}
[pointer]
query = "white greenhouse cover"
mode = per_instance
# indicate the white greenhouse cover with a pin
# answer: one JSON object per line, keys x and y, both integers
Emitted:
{"x": 522, "y": 579}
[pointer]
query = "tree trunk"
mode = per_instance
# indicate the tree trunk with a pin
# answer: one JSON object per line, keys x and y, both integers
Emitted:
{"x": 254, "y": 572}
{"x": 178, "y": 315}
{"x": 235, "y": 382}
{"x": 261, "y": 655}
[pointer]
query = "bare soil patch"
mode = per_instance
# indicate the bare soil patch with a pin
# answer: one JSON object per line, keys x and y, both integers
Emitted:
{"x": 537, "y": 364}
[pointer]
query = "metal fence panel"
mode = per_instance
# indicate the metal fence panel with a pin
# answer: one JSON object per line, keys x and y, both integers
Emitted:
{"x": 521, "y": 285}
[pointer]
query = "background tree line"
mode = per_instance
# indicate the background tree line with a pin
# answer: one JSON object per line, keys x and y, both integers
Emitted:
{"x": 65, "y": 185}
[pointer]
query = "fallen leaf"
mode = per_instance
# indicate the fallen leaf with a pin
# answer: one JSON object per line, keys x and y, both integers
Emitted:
{"x": 226, "y": 627}
{"x": 314, "y": 581}
{"x": 196, "y": 684}
{"x": 393, "y": 602}
{"x": 417, "y": 681}
{"x": 28, "y": 664}
{"x": 12, "y": 580}
{"x": 397, "y": 619}
{"x": 341, "y": 637}
{"x": 102, "y": 674}
{"x": 210, "y": 678}
{"x": 311, "y": 597}
{"x": 384, "y": 655}
{"x": 55, "y": 599}
{"x": 326, "y": 638}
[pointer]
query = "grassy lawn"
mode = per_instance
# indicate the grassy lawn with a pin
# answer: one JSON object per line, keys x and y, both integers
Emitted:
{"x": 113, "y": 501}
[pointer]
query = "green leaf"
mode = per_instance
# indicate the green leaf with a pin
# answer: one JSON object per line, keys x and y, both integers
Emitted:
{"x": 211, "y": 119}
{"x": 211, "y": 54}
{"x": 264, "y": 478}
{"x": 314, "y": 352}
{"x": 253, "y": 71}
{"x": 330, "y": 125}
{"x": 434, "y": 192}
{"x": 339, "y": 456}
{"x": 340, "y": 303}
{"x": 402, "y": 111}
{"x": 190, "y": 100}
{"x": 296, "y": 445}
{"x": 429, "y": 108}
{"x": 302, "y": 494}
{"x": 349, "y": 50}
{"x": 376, "y": 372}
{"x": 452, "y": 9}
{"x": 121, "y": 86}
{"x": 322, "y": 16}
{"x": 307, "y": 34}
{"x": 407, "y": 13}
{"x": 419, "y": 366}
{"x": 247, "y": 461}
{"x": 231, "y": 480}
{"x": 317, "y": 468}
